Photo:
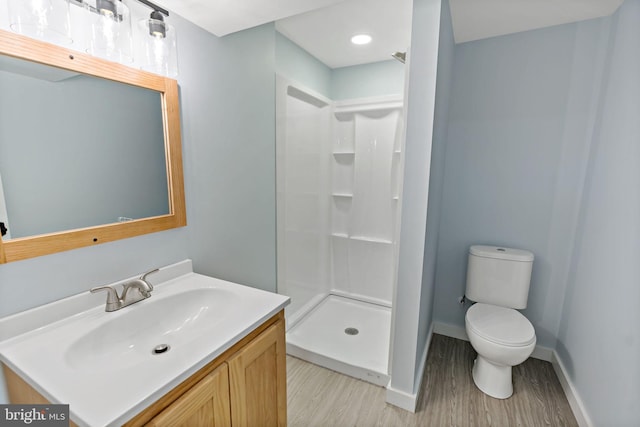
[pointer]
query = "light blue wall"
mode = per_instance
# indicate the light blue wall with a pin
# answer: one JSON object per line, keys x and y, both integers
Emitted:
{"x": 374, "y": 79}
{"x": 229, "y": 172}
{"x": 542, "y": 153}
{"x": 358, "y": 81}
{"x": 599, "y": 338}
{"x": 227, "y": 108}
{"x": 517, "y": 124}
{"x": 412, "y": 305}
{"x": 298, "y": 65}
{"x": 446, "y": 51}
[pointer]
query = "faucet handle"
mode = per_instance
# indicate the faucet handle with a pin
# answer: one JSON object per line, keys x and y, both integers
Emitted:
{"x": 113, "y": 301}
{"x": 144, "y": 277}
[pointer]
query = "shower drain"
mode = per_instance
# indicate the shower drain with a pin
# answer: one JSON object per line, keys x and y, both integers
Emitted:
{"x": 351, "y": 331}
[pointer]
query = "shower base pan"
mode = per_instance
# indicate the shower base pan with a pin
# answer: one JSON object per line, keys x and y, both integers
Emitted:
{"x": 345, "y": 335}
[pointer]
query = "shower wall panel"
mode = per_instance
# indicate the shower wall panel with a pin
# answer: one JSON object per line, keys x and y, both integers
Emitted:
{"x": 372, "y": 201}
{"x": 303, "y": 202}
{"x": 365, "y": 188}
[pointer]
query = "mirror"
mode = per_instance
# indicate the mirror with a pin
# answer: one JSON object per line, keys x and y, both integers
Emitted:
{"x": 90, "y": 150}
{"x": 77, "y": 151}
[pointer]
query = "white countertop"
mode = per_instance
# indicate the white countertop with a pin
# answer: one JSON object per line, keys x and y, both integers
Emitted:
{"x": 45, "y": 345}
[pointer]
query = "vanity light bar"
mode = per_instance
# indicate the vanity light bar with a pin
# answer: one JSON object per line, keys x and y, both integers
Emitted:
{"x": 92, "y": 9}
{"x": 155, "y": 7}
{"x": 165, "y": 12}
{"x": 157, "y": 52}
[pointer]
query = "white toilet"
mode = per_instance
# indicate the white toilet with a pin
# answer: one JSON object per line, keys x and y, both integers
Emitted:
{"x": 498, "y": 281}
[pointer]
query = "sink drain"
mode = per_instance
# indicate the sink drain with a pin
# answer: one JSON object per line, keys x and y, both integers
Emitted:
{"x": 351, "y": 331}
{"x": 161, "y": 349}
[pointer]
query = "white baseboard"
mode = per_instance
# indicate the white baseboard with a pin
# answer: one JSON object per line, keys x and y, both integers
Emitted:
{"x": 454, "y": 331}
{"x": 542, "y": 353}
{"x": 570, "y": 391}
{"x": 406, "y": 401}
{"x": 409, "y": 401}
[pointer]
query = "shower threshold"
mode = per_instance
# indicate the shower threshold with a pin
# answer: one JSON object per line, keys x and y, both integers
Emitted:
{"x": 345, "y": 335}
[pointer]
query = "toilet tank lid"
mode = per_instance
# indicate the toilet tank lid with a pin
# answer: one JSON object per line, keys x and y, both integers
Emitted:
{"x": 500, "y": 252}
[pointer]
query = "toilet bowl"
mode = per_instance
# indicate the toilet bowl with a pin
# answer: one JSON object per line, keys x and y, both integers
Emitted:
{"x": 503, "y": 338}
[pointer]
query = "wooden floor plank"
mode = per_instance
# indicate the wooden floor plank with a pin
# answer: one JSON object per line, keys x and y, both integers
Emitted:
{"x": 320, "y": 397}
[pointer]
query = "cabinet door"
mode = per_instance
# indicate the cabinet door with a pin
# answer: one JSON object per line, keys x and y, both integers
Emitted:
{"x": 205, "y": 404}
{"x": 258, "y": 381}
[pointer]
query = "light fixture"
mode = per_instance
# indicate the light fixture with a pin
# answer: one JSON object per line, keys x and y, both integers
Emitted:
{"x": 159, "y": 44}
{"x": 42, "y": 19}
{"x": 157, "y": 27}
{"x": 108, "y": 27}
{"x": 106, "y": 7}
{"x": 361, "y": 39}
{"x": 101, "y": 28}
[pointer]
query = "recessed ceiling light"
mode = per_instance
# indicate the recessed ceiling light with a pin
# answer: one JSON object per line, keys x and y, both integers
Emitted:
{"x": 361, "y": 39}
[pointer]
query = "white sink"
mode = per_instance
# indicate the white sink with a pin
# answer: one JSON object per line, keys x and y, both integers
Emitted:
{"x": 175, "y": 320}
{"x": 102, "y": 363}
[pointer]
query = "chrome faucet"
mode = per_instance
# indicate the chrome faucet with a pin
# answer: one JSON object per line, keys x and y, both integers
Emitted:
{"x": 114, "y": 302}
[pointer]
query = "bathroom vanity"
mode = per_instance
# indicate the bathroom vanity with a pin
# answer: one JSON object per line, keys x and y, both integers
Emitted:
{"x": 225, "y": 363}
{"x": 244, "y": 387}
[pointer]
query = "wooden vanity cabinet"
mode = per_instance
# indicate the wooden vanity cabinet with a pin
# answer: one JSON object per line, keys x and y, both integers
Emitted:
{"x": 257, "y": 378}
{"x": 205, "y": 404}
{"x": 246, "y": 387}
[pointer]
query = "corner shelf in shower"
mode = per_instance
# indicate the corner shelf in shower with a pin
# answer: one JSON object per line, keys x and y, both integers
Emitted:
{"x": 344, "y": 153}
{"x": 363, "y": 238}
{"x": 371, "y": 239}
{"x": 342, "y": 195}
{"x": 343, "y": 110}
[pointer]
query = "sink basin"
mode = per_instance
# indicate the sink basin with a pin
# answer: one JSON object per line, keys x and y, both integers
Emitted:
{"x": 129, "y": 335}
{"x": 73, "y": 352}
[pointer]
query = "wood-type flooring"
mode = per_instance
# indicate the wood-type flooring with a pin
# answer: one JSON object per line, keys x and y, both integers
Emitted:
{"x": 320, "y": 397}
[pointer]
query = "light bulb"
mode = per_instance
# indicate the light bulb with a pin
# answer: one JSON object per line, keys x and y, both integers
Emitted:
{"x": 360, "y": 39}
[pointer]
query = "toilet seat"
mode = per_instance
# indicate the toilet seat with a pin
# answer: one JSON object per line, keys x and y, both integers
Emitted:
{"x": 504, "y": 326}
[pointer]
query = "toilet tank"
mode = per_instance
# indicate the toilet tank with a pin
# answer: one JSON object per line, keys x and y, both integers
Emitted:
{"x": 499, "y": 276}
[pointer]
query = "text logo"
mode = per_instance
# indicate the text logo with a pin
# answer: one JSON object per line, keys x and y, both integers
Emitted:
{"x": 34, "y": 415}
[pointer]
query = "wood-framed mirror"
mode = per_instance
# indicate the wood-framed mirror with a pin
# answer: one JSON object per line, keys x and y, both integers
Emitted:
{"x": 165, "y": 125}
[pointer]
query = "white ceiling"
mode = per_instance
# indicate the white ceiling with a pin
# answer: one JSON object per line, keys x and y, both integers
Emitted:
{"x": 326, "y": 31}
{"x": 481, "y": 19}
{"x": 222, "y": 17}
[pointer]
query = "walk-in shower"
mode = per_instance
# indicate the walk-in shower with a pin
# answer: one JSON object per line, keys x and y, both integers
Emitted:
{"x": 338, "y": 188}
